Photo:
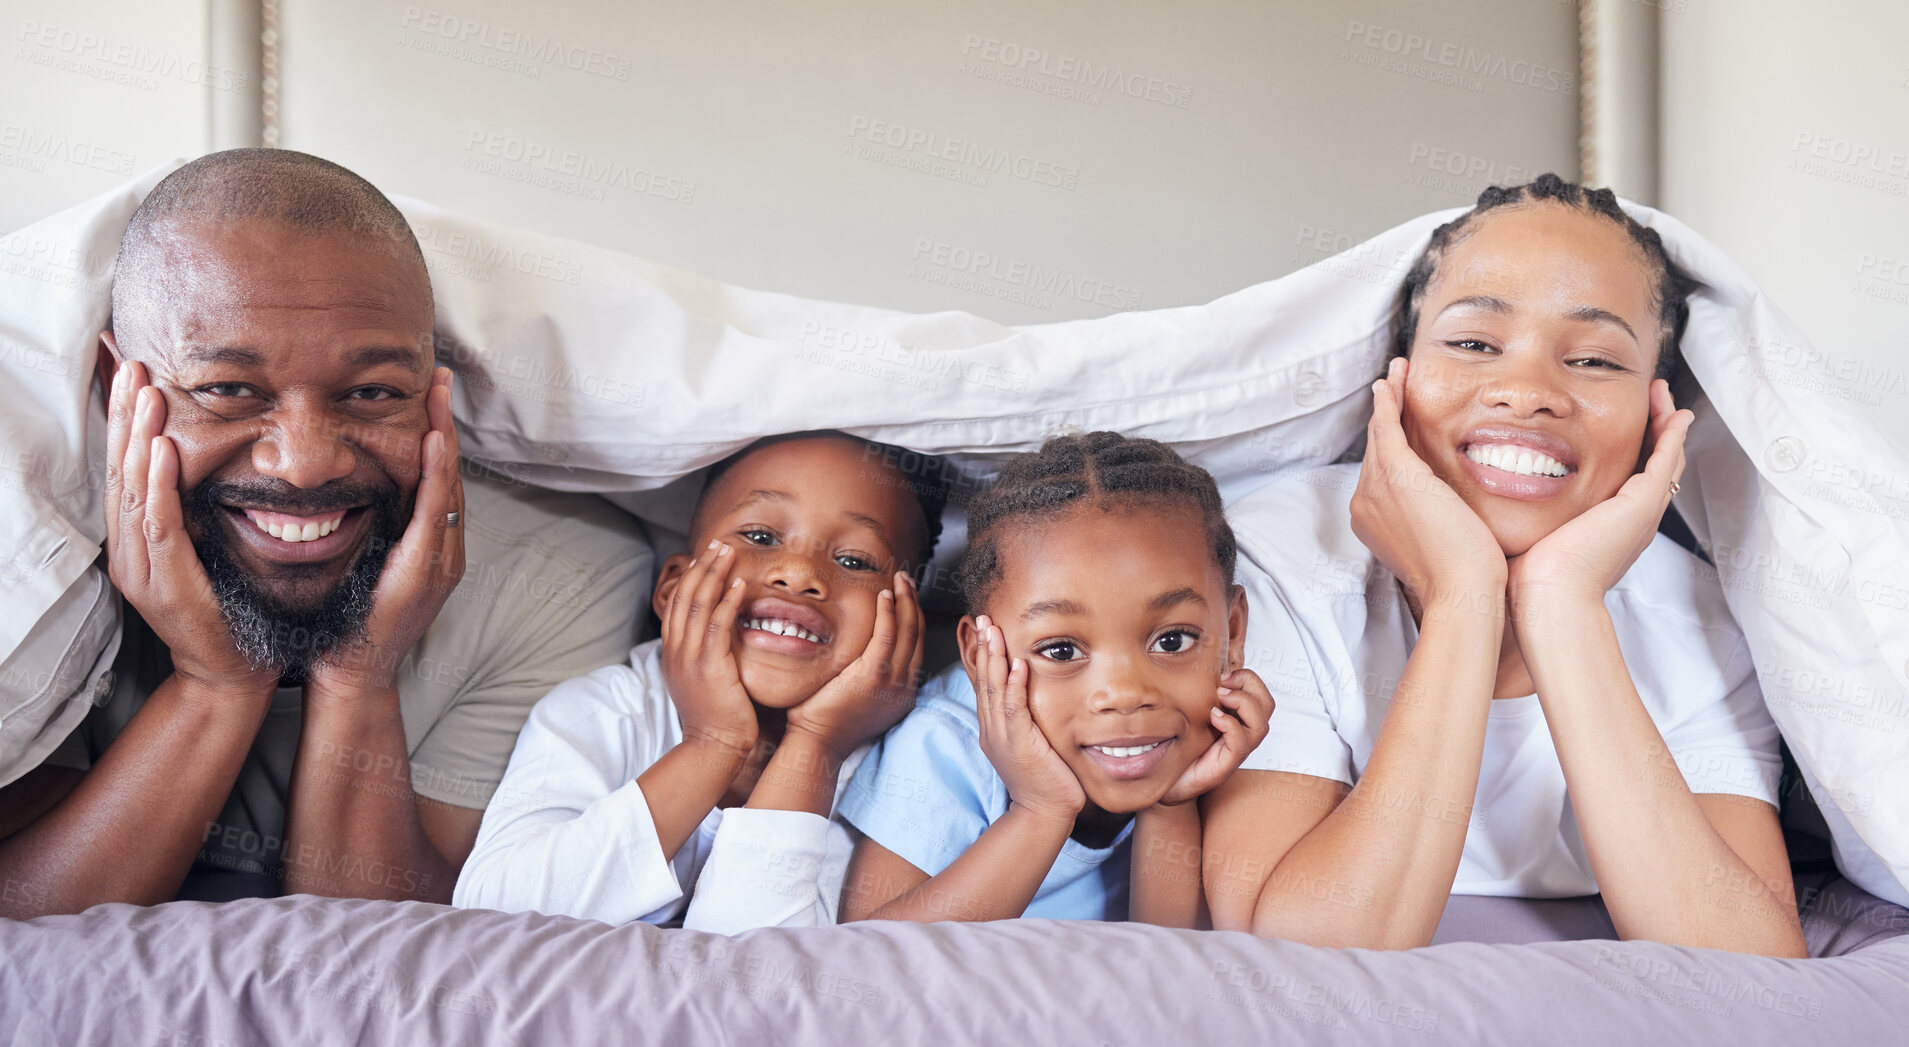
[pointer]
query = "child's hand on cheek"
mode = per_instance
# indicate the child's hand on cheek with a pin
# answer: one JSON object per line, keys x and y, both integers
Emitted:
{"x": 878, "y": 688}
{"x": 1037, "y": 779}
{"x": 1241, "y": 718}
{"x": 698, "y": 665}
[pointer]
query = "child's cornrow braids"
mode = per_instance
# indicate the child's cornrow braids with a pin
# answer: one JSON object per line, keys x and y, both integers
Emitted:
{"x": 1673, "y": 285}
{"x": 1102, "y": 469}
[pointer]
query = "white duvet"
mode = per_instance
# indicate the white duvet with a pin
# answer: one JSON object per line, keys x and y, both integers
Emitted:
{"x": 586, "y": 369}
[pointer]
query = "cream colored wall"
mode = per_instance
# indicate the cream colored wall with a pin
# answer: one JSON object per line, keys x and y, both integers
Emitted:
{"x": 840, "y": 148}
{"x": 94, "y": 93}
{"x": 1786, "y": 141}
{"x": 958, "y": 156}
{"x": 752, "y": 142}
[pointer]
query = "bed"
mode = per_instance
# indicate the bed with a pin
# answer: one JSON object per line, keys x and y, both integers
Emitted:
{"x": 619, "y": 378}
{"x": 309, "y": 970}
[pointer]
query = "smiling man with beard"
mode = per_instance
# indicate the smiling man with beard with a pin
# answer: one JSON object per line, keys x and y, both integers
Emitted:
{"x": 305, "y": 698}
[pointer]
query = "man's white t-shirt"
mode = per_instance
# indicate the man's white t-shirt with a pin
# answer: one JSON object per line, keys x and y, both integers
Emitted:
{"x": 1330, "y": 633}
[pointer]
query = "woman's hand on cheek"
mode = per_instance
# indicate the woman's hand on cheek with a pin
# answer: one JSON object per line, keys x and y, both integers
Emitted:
{"x": 1037, "y": 779}
{"x": 1413, "y": 522}
{"x": 877, "y": 689}
{"x": 1245, "y": 707}
{"x": 1587, "y": 555}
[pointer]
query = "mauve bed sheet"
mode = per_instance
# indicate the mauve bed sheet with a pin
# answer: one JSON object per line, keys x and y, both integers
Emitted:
{"x": 309, "y": 970}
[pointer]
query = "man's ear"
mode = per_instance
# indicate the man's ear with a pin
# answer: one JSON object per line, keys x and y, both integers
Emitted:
{"x": 106, "y": 365}
{"x": 666, "y": 582}
{"x": 1236, "y": 628}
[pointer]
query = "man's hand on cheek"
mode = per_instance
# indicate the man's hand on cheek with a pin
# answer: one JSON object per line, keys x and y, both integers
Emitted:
{"x": 419, "y": 574}
{"x": 151, "y": 558}
{"x": 877, "y": 689}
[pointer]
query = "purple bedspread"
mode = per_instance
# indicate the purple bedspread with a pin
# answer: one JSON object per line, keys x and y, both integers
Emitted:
{"x": 309, "y": 970}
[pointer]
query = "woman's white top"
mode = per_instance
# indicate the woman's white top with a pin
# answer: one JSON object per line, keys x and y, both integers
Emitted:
{"x": 1329, "y": 632}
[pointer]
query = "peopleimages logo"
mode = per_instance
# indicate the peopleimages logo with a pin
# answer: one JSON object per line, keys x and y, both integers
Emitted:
{"x": 937, "y": 257}
{"x": 989, "y": 159}
{"x": 516, "y": 43}
{"x": 1863, "y": 164}
{"x": 1467, "y": 166}
{"x": 41, "y": 145}
{"x": 493, "y": 254}
{"x": 1868, "y": 156}
{"x": 566, "y": 170}
{"x": 1037, "y": 61}
{"x": 24, "y": 357}
{"x": 1398, "y": 44}
{"x": 120, "y": 61}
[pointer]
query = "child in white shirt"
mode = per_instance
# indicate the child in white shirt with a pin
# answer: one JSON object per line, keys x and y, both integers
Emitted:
{"x": 698, "y": 782}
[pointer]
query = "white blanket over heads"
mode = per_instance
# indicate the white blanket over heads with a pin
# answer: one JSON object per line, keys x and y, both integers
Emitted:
{"x": 586, "y": 369}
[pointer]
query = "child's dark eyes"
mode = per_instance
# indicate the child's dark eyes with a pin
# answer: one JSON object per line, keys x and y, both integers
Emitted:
{"x": 1175, "y": 641}
{"x": 762, "y": 536}
{"x": 1472, "y": 345}
{"x": 1059, "y": 651}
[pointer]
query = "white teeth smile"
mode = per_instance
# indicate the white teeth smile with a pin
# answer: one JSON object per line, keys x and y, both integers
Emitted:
{"x": 781, "y": 628}
{"x": 294, "y": 528}
{"x": 1125, "y": 750}
{"x": 1522, "y": 461}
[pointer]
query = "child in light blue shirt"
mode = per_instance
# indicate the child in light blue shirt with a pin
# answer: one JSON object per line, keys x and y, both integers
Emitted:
{"x": 1054, "y": 773}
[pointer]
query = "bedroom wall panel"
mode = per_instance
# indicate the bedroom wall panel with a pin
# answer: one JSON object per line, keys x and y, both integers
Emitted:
{"x": 1029, "y": 162}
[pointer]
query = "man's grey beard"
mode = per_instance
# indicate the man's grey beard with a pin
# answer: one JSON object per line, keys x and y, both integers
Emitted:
{"x": 269, "y": 633}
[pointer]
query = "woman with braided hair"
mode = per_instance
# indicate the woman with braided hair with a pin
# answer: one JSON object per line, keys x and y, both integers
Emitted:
{"x": 1495, "y": 677}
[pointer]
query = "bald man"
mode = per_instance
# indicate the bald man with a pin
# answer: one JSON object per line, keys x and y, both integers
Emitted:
{"x": 331, "y": 636}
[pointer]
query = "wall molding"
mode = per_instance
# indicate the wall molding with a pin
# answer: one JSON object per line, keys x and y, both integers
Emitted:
{"x": 268, "y": 68}
{"x": 1618, "y": 96}
{"x": 233, "y": 110}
